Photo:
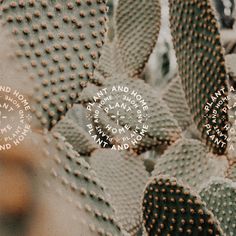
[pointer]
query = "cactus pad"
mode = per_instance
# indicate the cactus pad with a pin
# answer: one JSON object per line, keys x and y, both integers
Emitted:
{"x": 76, "y": 136}
{"x": 175, "y": 100}
{"x": 125, "y": 177}
{"x": 10, "y": 65}
{"x": 70, "y": 181}
{"x": 161, "y": 122}
{"x": 111, "y": 62}
{"x": 220, "y": 197}
{"x": 137, "y": 29}
{"x": 170, "y": 208}
{"x": 201, "y": 64}
{"x": 162, "y": 127}
{"x": 188, "y": 161}
{"x": 59, "y": 44}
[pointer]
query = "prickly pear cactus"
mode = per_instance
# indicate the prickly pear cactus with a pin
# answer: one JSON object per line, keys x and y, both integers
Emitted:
{"x": 59, "y": 43}
{"x": 69, "y": 198}
{"x": 133, "y": 41}
{"x": 76, "y": 136}
{"x": 171, "y": 208}
{"x": 188, "y": 160}
{"x": 219, "y": 195}
{"x": 131, "y": 32}
{"x": 201, "y": 63}
{"x": 113, "y": 169}
{"x": 69, "y": 179}
{"x": 73, "y": 174}
{"x": 162, "y": 128}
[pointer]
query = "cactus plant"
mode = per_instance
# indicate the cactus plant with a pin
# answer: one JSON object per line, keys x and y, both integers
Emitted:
{"x": 219, "y": 195}
{"x": 118, "y": 172}
{"x": 66, "y": 179}
{"x": 131, "y": 32}
{"x": 170, "y": 208}
{"x": 69, "y": 177}
{"x": 76, "y": 136}
{"x": 54, "y": 48}
{"x": 11, "y": 66}
{"x": 162, "y": 127}
{"x": 59, "y": 43}
{"x": 205, "y": 73}
{"x": 173, "y": 95}
{"x": 188, "y": 160}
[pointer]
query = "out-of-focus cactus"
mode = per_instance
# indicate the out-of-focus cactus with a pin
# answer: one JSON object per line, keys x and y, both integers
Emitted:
{"x": 125, "y": 177}
{"x": 70, "y": 180}
{"x": 225, "y": 9}
{"x": 66, "y": 194}
{"x": 18, "y": 185}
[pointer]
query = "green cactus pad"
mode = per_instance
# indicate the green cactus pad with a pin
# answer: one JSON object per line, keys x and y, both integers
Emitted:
{"x": 70, "y": 181}
{"x": 189, "y": 161}
{"x": 12, "y": 72}
{"x": 124, "y": 177}
{"x": 76, "y": 136}
{"x": 171, "y": 208}
{"x": 111, "y": 62}
{"x": 175, "y": 100}
{"x": 162, "y": 129}
{"x": 220, "y": 197}
{"x": 88, "y": 92}
{"x": 59, "y": 44}
{"x": 201, "y": 65}
{"x": 137, "y": 29}
{"x": 78, "y": 115}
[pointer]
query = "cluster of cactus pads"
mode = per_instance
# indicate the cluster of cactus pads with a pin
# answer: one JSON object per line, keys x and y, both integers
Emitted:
{"x": 179, "y": 179}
